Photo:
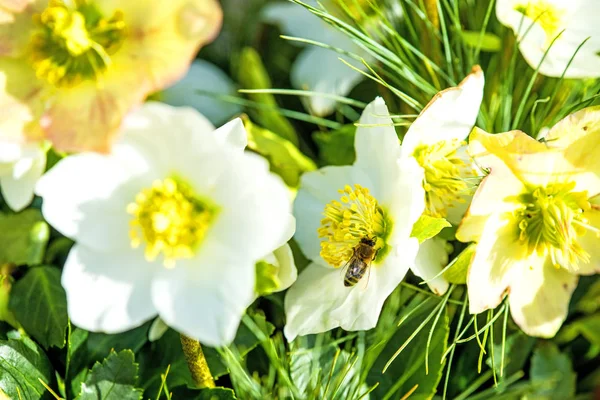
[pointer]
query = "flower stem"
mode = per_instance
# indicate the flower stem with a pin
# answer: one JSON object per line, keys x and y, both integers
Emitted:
{"x": 196, "y": 362}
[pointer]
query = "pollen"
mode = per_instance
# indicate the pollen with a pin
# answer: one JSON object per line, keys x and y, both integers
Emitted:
{"x": 550, "y": 222}
{"x": 169, "y": 219}
{"x": 547, "y": 15}
{"x": 73, "y": 43}
{"x": 356, "y": 215}
{"x": 446, "y": 176}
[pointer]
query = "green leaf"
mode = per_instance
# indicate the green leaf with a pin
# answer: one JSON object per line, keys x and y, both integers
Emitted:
{"x": 458, "y": 268}
{"x": 517, "y": 349}
{"x": 552, "y": 373}
{"x": 218, "y": 393}
{"x": 590, "y": 302}
{"x": 409, "y": 368}
{"x": 336, "y": 147}
{"x": 22, "y": 365}
{"x": 253, "y": 75}
{"x": 39, "y": 303}
{"x": 427, "y": 227}
{"x": 588, "y": 327}
{"x": 284, "y": 157}
{"x": 114, "y": 379}
{"x": 489, "y": 42}
{"x": 24, "y": 237}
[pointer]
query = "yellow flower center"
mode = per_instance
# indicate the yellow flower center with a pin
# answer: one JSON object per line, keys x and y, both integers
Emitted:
{"x": 170, "y": 219}
{"x": 446, "y": 176}
{"x": 73, "y": 44}
{"x": 357, "y": 215}
{"x": 551, "y": 220}
{"x": 547, "y": 15}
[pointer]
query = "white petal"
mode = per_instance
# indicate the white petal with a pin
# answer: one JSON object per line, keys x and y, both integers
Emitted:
{"x": 431, "y": 259}
{"x": 591, "y": 244}
{"x": 18, "y": 190}
{"x": 295, "y": 20}
{"x": 539, "y": 297}
{"x": 233, "y": 133}
{"x": 319, "y": 301}
{"x": 205, "y": 298}
{"x": 287, "y": 272}
{"x": 497, "y": 256}
{"x": 107, "y": 292}
{"x": 319, "y": 70}
{"x": 157, "y": 329}
{"x": 318, "y": 188}
{"x": 85, "y": 198}
{"x": 377, "y": 148}
{"x": 207, "y": 77}
{"x": 449, "y": 116}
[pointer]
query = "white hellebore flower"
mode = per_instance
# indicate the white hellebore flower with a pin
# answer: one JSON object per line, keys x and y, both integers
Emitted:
{"x": 207, "y": 77}
{"x": 378, "y": 199}
{"x": 437, "y": 140}
{"x": 558, "y": 27}
{"x": 171, "y": 222}
{"x": 317, "y": 68}
{"x": 21, "y": 165}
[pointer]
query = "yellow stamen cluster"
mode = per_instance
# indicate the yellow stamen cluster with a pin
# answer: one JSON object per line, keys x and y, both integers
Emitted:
{"x": 446, "y": 176}
{"x": 169, "y": 219}
{"x": 547, "y": 15}
{"x": 74, "y": 43}
{"x": 551, "y": 220}
{"x": 355, "y": 216}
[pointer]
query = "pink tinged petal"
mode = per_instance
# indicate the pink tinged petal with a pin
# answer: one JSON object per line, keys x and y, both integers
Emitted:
{"x": 431, "y": 259}
{"x": 16, "y": 24}
{"x": 590, "y": 242}
{"x": 498, "y": 257}
{"x": 85, "y": 198}
{"x": 539, "y": 297}
{"x": 317, "y": 188}
{"x": 449, "y": 116}
{"x": 205, "y": 298}
{"x": 17, "y": 188}
{"x": 108, "y": 292}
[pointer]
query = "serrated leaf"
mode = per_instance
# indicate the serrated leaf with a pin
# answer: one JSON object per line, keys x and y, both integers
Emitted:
{"x": 22, "y": 365}
{"x": 24, "y": 237}
{"x": 253, "y": 75}
{"x": 284, "y": 158}
{"x": 408, "y": 369}
{"x": 458, "y": 268}
{"x": 552, "y": 373}
{"x": 427, "y": 227}
{"x": 336, "y": 147}
{"x": 489, "y": 42}
{"x": 39, "y": 303}
{"x": 113, "y": 379}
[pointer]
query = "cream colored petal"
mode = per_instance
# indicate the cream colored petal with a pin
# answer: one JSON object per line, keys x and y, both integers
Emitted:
{"x": 18, "y": 188}
{"x": 431, "y": 259}
{"x": 497, "y": 256}
{"x": 590, "y": 242}
{"x": 539, "y": 297}
{"x": 287, "y": 272}
{"x": 449, "y": 116}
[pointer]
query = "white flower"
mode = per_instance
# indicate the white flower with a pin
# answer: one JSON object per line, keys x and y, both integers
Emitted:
{"x": 538, "y": 22}
{"x": 318, "y": 69}
{"x": 171, "y": 222}
{"x": 21, "y": 165}
{"x": 207, "y": 77}
{"x": 380, "y": 197}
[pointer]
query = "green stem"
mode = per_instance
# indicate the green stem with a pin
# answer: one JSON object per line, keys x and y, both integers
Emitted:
{"x": 196, "y": 362}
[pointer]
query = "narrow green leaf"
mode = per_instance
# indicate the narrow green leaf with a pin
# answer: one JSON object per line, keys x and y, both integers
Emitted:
{"x": 39, "y": 303}
{"x": 253, "y": 75}
{"x": 552, "y": 372}
{"x": 24, "y": 237}
{"x": 486, "y": 42}
{"x": 22, "y": 365}
{"x": 114, "y": 379}
{"x": 284, "y": 157}
{"x": 427, "y": 227}
{"x": 456, "y": 271}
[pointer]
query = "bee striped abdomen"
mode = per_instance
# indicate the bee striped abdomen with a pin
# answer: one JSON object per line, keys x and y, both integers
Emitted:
{"x": 356, "y": 270}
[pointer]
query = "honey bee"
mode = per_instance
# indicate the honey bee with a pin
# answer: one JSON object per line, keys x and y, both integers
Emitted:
{"x": 360, "y": 261}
